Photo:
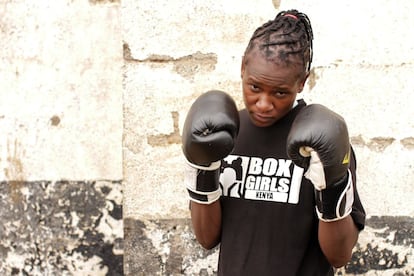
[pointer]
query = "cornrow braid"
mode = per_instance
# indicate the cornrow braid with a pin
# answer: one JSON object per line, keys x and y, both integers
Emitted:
{"x": 289, "y": 34}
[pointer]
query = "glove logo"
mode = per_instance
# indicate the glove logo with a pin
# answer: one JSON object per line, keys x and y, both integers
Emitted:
{"x": 346, "y": 158}
{"x": 266, "y": 179}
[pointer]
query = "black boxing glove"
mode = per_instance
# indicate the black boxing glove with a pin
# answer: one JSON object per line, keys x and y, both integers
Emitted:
{"x": 209, "y": 133}
{"x": 319, "y": 142}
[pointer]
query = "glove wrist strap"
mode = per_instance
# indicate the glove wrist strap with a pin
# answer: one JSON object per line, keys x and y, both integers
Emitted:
{"x": 213, "y": 166}
{"x": 335, "y": 203}
{"x": 203, "y": 182}
{"x": 204, "y": 198}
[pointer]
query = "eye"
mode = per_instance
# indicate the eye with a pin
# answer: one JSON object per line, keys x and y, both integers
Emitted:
{"x": 254, "y": 87}
{"x": 280, "y": 94}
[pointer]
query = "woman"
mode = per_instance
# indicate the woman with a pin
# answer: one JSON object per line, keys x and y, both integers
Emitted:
{"x": 273, "y": 184}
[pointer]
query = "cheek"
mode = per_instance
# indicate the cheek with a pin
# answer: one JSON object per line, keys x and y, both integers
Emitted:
{"x": 284, "y": 106}
{"x": 249, "y": 99}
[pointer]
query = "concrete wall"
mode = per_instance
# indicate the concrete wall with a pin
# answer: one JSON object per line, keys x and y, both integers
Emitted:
{"x": 93, "y": 95}
{"x": 362, "y": 68}
{"x": 61, "y": 138}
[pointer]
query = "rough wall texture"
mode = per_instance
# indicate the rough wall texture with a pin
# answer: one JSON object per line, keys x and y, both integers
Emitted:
{"x": 92, "y": 100}
{"x": 62, "y": 227}
{"x": 61, "y": 138}
{"x": 362, "y": 64}
{"x": 384, "y": 248}
{"x": 61, "y": 90}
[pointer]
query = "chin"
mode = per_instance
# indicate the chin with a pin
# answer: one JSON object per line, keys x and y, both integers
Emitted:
{"x": 262, "y": 123}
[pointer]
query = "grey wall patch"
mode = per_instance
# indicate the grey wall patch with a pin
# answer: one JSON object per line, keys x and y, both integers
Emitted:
{"x": 71, "y": 227}
{"x": 165, "y": 247}
{"x": 168, "y": 247}
{"x": 385, "y": 247}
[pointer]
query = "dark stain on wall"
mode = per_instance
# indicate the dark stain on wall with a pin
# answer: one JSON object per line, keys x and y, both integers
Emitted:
{"x": 402, "y": 226}
{"x": 104, "y": 1}
{"x": 71, "y": 227}
{"x": 383, "y": 251}
{"x": 187, "y": 66}
{"x": 378, "y": 144}
{"x": 168, "y": 247}
{"x": 142, "y": 257}
{"x": 163, "y": 247}
{"x": 55, "y": 120}
{"x": 312, "y": 79}
{"x": 76, "y": 228}
{"x": 408, "y": 142}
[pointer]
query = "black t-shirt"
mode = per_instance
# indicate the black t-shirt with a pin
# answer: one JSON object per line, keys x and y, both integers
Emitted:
{"x": 269, "y": 222}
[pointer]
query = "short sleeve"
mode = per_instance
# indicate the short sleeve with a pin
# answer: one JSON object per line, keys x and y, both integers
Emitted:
{"x": 358, "y": 212}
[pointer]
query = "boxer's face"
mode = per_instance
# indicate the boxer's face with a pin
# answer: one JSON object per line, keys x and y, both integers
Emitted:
{"x": 269, "y": 87}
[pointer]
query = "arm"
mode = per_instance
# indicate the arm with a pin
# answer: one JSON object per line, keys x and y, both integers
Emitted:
{"x": 209, "y": 132}
{"x": 337, "y": 239}
{"x": 206, "y": 220}
{"x": 319, "y": 142}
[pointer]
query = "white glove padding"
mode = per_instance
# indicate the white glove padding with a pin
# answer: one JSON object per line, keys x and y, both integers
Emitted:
{"x": 315, "y": 172}
{"x": 202, "y": 182}
{"x": 332, "y": 203}
{"x": 335, "y": 203}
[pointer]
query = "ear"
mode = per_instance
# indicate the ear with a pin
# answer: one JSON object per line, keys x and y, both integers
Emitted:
{"x": 303, "y": 81}
{"x": 242, "y": 67}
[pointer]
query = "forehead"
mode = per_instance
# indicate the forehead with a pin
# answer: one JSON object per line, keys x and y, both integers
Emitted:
{"x": 276, "y": 74}
{"x": 256, "y": 60}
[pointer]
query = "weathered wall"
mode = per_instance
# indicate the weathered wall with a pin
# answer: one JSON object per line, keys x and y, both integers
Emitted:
{"x": 61, "y": 138}
{"x": 93, "y": 95}
{"x": 176, "y": 50}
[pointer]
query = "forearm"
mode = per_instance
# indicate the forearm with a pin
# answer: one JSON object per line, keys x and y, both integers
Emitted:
{"x": 206, "y": 220}
{"x": 337, "y": 239}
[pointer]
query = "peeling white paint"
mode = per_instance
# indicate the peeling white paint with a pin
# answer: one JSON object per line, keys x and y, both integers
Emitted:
{"x": 159, "y": 239}
{"x": 208, "y": 264}
{"x": 78, "y": 265}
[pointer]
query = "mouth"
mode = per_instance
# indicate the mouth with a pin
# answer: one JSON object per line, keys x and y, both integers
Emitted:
{"x": 262, "y": 118}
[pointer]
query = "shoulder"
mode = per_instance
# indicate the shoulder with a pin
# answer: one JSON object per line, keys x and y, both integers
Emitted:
{"x": 243, "y": 114}
{"x": 300, "y": 103}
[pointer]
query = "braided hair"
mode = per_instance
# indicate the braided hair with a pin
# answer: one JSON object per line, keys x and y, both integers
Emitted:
{"x": 288, "y": 35}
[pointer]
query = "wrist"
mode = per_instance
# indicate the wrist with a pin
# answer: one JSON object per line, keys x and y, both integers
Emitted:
{"x": 202, "y": 183}
{"x": 204, "y": 197}
{"x": 212, "y": 167}
{"x": 335, "y": 202}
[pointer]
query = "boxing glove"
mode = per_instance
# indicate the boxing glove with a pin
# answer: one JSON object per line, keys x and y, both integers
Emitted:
{"x": 210, "y": 129}
{"x": 318, "y": 141}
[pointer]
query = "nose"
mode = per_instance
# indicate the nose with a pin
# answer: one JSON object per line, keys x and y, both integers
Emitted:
{"x": 264, "y": 103}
